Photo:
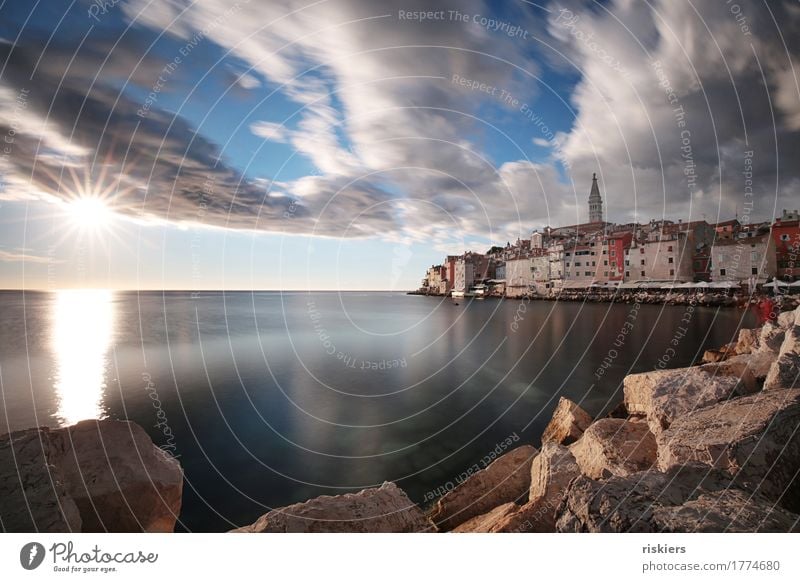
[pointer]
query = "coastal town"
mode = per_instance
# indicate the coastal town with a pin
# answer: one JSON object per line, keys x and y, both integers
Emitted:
{"x": 737, "y": 256}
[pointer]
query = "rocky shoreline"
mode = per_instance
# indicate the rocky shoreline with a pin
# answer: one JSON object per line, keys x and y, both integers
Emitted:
{"x": 710, "y": 448}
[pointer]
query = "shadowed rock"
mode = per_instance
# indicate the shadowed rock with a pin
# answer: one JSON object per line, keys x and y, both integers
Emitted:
{"x": 567, "y": 424}
{"x": 664, "y": 395}
{"x": 384, "y": 509}
{"x": 613, "y": 446}
{"x": 691, "y": 498}
{"x": 753, "y": 438}
{"x": 507, "y": 479}
{"x": 94, "y": 476}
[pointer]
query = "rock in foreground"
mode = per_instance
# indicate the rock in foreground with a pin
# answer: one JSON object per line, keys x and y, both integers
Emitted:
{"x": 507, "y": 479}
{"x": 754, "y": 438}
{"x": 94, "y": 476}
{"x": 567, "y": 424}
{"x": 692, "y": 498}
{"x": 384, "y": 509}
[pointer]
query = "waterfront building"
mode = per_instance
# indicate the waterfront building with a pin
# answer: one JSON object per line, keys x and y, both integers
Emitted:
{"x": 786, "y": 237}
{"x": 728, "y": 229}
{"x": 744, "y": 259}
{"x": 471, "y": 269}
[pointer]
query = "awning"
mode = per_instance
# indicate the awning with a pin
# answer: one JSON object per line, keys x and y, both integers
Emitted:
{"x": 776, "y": 283}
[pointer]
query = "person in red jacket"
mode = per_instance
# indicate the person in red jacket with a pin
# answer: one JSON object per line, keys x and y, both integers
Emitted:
{"x": 766, "y": 310}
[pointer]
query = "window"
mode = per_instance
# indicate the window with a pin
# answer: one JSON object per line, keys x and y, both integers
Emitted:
{"x": 669, "y": 249}
{"x": 627, "y": 273}
{"x": 587, "y": 274}
{"x": 784, "y": 237}
{"x": 671, "y": 272}
{"x": 642, "y": 273}
{"x": 613, "y": 253}
{"x": 671, "y": 260}
{"x": 593, "y": 264}
{"x": 642, "y": 262}
{"x": 722, "y": 272}
{"x": 754, "y": 271}
{"x": 605, "y": 263}
{"x": 627, "y": 263}
{"x": 577, "y": 263}
{"x": 641, "y": 250}
{"x": 605, "y": 273}
{"x": 754, "y": 256}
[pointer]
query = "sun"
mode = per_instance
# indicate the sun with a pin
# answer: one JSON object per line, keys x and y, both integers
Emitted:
{"x": 89, "y": 213}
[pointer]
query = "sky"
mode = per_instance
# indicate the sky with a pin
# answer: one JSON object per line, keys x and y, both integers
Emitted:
{"x": 338, "y": 144}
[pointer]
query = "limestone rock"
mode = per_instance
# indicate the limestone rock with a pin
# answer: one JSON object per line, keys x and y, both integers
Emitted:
{"x": 786, "y": 319}
{"x": 33, "y": 497}
{"x": 748, "y": 341}
{"x": 613, "y": 446}
{"x": 120, "y": 481}
{"x": 751, "y": 369}
{"x": 770, "y": 337}
{"x": 567, "y": 424}
{"x": 507, "y": 479}
{"x": 689, "y": 498}
{"x": 785, "y": 371}
{"x": 384, "y": 509}
{"x": 488, "y": 522}
{"x": 93, "y": 476}
{"x": 664, "y": 395}
{"x": 754, "y": 438}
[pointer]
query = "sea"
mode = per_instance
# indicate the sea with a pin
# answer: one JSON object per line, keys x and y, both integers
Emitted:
{"x": 271, "y": 398}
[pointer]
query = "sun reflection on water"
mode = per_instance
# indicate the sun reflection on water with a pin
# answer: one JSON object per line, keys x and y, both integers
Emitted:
{"x": 82, "y": 325}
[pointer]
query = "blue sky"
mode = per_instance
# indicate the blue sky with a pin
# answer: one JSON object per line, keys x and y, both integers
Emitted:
{"x": 345, "y": 145}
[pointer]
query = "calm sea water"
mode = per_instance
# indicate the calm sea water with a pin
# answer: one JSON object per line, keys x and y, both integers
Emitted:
{"x": 273, "y": 398}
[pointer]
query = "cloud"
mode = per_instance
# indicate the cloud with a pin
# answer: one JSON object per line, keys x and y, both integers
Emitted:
{"x": 270, "y": 131}
{"x": 24, "y": 257}
{"x": 400, "y": 150}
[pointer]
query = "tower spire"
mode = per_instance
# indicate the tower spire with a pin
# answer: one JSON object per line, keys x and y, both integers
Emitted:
{"x": 595, "y": 202}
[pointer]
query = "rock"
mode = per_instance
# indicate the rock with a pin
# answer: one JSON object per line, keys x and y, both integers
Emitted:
{"x": 506, "y": 479}
{"x": 384, "y": 509}
{"x": 488, "y": 522}
{"x": 689, "y": 498}
{"x": 619, "y": 411}
{"x": 613, "y": 446}
{"x": 93, "y": 476}
{"x": 664, "y": 395}
{"x": 754, "y": 438}
{"x": 785, "y": 370}
{"x": 32, "y": 493}
{"x": 723, "y": 353}
{"x": 786, "y": 319}
{"x": 551, "y": 471}
{"x": 567, "y": 424}
{"x": 751, "y": 369}
{"x": 748, "y": 341}
{"x": 770, "y": 337}
{"x": 120, "y": 481}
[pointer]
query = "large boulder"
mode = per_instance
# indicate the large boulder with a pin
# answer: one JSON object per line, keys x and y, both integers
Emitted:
{"x": 120, "y": 481}
{"x": 506, "y": 479}
{"x": 689, "y": 498}
{"x": 33, "y": 497}
{"x": 664, "y": 395}
{"x": 567, "y": 424}
{"x": 384, "y": 509}
{"x": 751, "y": 369}
{"x": 94, "y": 476}
{"x": 490, "y": 522}
{"x": 785, "y": 371}
{"x": 770, "y": 337}
{"x": 614, "y": 446}
{"x": 753, "y": 438}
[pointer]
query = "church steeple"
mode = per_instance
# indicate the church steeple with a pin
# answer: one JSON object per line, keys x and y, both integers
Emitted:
{"x": 595, "y": 202}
